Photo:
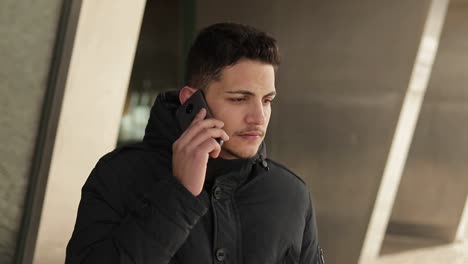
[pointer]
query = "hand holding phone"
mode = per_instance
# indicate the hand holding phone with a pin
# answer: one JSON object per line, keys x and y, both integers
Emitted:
{"x": 191, "y": 151}
{"x": 187, "y": 111}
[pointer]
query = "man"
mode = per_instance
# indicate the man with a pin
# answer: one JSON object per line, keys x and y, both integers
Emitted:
{"x": 179, "y": 196}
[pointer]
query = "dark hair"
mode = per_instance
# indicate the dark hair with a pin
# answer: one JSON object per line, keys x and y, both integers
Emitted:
{"x": 224, "y": 44}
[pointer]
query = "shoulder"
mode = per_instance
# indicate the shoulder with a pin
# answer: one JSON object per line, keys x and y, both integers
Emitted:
{"x": 289, "y": 177}
{"x": 132, "y": 162}
{"x": 134, "y": 155}
{"x": 276, "y": 166}
{"x": 126, "y": 170}
{"x": 292, "y": 185}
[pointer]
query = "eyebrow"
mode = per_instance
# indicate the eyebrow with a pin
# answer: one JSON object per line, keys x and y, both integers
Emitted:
{"x": 246, "y": 92}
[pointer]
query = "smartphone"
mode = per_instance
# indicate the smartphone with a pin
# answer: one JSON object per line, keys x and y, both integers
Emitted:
{"x": 187, "y": 111}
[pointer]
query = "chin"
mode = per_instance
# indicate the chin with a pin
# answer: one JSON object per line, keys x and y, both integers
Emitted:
{"x": 248, "y": 155}
{"x": 242, "y": 152}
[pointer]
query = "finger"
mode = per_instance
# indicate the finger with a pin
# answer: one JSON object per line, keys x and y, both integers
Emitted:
{"x": 193, "y": 130}
{"x": 215, "y": 153}
{"x": 209, "y": 122}
{"x": 200, "y": 115}
{"x": 207, "y": 134}
{"x": 208, "y": 147}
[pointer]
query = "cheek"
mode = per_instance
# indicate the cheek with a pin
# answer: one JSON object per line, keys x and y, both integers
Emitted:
{"x": 232, "y": 122}
{"x": 232, "y": 119}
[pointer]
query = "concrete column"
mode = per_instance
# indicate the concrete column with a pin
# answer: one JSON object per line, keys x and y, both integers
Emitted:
{"x": 403, "y": 137}
{"x": 434, "y": 187}
{"x": 462, "y": 231}
{"x": 96, "y": 86}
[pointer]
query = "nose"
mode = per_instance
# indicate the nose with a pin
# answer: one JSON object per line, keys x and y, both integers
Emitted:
{"x": 256, "y": 114}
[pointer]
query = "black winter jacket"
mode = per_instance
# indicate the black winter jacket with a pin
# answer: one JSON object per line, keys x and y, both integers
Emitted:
{"x": 133, "y": 210}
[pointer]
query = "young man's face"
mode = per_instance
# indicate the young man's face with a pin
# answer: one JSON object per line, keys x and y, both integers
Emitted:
{"x": 242, "y": 100}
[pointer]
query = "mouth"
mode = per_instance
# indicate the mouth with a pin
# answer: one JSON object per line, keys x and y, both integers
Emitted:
{"x": 251, "y": 136}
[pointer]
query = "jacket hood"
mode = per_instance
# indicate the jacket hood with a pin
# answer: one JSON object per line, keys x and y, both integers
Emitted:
{"x": 162, "y": 127}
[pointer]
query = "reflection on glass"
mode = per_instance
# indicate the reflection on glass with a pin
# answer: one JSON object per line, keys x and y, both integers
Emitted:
{"x": 158, "y": 65}
{"x": 135, "y": 116}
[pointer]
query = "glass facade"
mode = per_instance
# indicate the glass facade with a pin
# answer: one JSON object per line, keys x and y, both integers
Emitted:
{"x": 158, "y": 64}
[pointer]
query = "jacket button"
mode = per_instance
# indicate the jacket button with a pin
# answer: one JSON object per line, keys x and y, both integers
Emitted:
{"x": 221, "y": 254}
{"x": 217, "y": 193}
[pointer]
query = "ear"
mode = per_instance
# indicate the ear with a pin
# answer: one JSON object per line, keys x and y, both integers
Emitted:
{"x": 185, "y": 93}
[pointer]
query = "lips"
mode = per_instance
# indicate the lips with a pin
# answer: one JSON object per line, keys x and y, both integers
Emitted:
{"x": 251, "y": 135}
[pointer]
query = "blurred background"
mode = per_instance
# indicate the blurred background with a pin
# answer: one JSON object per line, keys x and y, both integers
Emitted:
{"x": 372, "y": 112}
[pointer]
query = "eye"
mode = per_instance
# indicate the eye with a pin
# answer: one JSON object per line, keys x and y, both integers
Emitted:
{"x": 267, "y": 100}
{"x": 238, "y": 100}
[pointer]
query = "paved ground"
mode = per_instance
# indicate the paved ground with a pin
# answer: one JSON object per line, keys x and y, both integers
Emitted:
{"x": 403, "y": 250}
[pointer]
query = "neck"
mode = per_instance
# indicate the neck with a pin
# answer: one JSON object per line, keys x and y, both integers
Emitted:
{"x": 228, "y": 155}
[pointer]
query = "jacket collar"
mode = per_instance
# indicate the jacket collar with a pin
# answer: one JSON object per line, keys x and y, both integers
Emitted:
{"x": 234, "y": 172}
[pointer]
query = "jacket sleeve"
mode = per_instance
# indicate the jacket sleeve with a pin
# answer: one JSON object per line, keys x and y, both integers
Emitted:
{"x": 105, "y": 232}
{"x": 311, "y": 252}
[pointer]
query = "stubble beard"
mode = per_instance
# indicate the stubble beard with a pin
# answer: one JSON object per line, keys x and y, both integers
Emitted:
{"x": 232, "y": 154}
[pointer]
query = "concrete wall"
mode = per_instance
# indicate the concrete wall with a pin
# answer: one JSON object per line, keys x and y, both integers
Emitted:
{"x": 346, "y": 68}
{"x": 27, "y": 39}
{"x": 437, "y": 170}
{"x": 97, "y": 82}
